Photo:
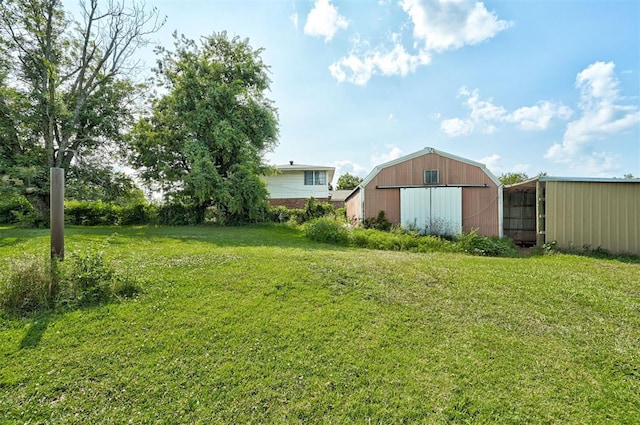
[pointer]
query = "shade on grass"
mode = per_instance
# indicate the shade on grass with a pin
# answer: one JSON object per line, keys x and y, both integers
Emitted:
{"x": 258, "y": 324}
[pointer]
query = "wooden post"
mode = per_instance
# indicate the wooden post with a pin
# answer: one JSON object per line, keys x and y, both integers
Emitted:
{"x": 57, "y": 213}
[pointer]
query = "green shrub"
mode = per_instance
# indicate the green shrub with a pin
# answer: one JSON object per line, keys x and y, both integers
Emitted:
{"x": 312, "y": 210}
{"x": 87, "y": 280}
{"x": 91, "y": 213}
{"x": 327, "y": 229}
{"x": 138, "y": 214}
{"x": 179, "y": 214}
{"x": 17, "y": 209}
{"x": 399, "y": 240}
{"x": 29, "y": 286}
{"x": 82, "y": 280}
{"x": 380, "y": 222}
{"x": 282, "y": 214}
{"x": 475, "y": 244}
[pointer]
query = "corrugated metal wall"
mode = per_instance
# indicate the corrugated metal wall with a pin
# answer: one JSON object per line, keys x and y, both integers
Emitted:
{"x": 597, "y": 214}
{"x": 479, "y": 204}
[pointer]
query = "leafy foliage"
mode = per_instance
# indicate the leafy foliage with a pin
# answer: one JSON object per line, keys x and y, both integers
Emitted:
{"x": 348, "y": 181}
{"x": 94, "y": 182}
{"x": 66, "y": 87}
{"x": 512, "y": 178}
{"x": 398, "y": 240}
{"x": 327, "y": 229}
{"x": 205, "y": 138}
{"x": 380, "y": 222}
{"x": 84, "y": 279}
{"x": 475, "y": 244}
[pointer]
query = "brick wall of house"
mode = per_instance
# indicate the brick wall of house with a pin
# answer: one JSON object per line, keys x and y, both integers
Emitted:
{"x": 293, "y": 202}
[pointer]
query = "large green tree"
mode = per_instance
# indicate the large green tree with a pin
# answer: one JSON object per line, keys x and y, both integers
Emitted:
{"x": 348, "y": 181}
{"x": 512, "y": 178}
{"x": 66, "y": 86}
{"x": 206, "y": 137}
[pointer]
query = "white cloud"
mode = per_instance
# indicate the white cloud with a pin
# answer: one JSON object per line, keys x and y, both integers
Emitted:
{"x": 603, "y": 115}
{"x": 522, "y": 168}
{"x": 359, "y": 69}
{"x": 496, "y": 165}
{"x": 484, "y": 115}
{"x": 324, "y": 20}
{"x": 456, "y": 127}
{"x": 438, "y": 25}
{"x": 346, "y": 166}
{"x": 538, "y": 117}
{"x": 451, "y": 24}
{"x": 294, "y": 19}
{"x": 380, "y": 158}
{"x": 493, "y": 163}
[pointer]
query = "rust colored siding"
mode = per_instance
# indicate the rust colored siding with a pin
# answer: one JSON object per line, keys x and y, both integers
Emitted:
{"x": 387, "y": 200}
{"x": 353, "y": 208}
{"x": 480, "y": 205}
{"x": 480, "y": 210}
{"x": 594, "y": 214}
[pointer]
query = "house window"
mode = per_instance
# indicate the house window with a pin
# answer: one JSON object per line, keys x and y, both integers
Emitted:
{"x": 315, "y": 178}
{"x": 430, "y": 176}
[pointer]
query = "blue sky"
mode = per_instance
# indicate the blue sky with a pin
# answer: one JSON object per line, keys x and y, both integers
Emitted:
{"x": 520, "y": 85}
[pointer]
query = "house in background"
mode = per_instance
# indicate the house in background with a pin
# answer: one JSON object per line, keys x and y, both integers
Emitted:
{"x": 294, "y": 183}
{"x": 431, "y": 191}
{"x": 575, "y": 213}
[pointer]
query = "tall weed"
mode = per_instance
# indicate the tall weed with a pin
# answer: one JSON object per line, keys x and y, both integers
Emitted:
{"x": 84, "y": 279}
{"x": 29, "y": 286}
{"x": 327, "y": 229}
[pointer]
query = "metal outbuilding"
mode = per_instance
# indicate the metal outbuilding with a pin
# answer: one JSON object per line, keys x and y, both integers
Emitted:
{"x": 575, "y": 213}
{"x": 431, "y": 191}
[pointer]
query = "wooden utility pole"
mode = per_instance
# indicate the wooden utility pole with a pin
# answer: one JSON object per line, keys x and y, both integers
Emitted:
{"x": 57, "y": 213}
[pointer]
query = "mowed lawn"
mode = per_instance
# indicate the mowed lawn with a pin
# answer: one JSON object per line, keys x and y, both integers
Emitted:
{"x": 260, "y": 325}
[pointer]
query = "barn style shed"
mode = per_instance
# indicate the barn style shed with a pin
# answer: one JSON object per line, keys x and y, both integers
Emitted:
{"x": 575, "y": 213}
{"x": 431, "y": 191}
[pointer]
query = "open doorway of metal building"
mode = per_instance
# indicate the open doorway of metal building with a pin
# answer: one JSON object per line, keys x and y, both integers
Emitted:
{"x": 520, "y": 212}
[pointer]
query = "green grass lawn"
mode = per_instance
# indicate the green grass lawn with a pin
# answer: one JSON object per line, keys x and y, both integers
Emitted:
{"x": 260, "y": 325}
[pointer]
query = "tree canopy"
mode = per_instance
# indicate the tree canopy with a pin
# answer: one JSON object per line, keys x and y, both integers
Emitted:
{"x": 512, "y": 178}
{"x": 66, "y": 86}
{"x": 348, "y": 181}
{"x": 205, "y": 139}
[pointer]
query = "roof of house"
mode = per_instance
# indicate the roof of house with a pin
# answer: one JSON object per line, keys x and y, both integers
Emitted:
{"x": 304, "y": 167}
{"x": 340, "y": 195}
{"x": 292, "y": 166}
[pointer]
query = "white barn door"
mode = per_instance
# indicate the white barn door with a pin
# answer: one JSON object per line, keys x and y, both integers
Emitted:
{"x": 432, "y": 210}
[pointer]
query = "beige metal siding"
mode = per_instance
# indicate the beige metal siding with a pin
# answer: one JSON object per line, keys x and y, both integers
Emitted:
{"x": 594, "y": 214}
{"x": 479, "y": 204}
